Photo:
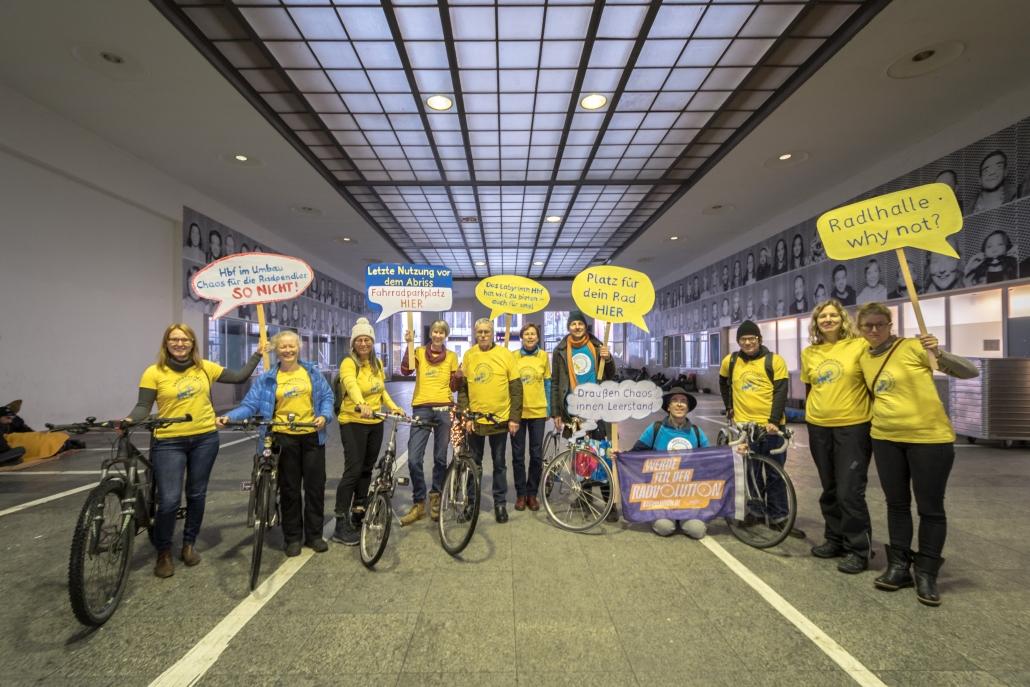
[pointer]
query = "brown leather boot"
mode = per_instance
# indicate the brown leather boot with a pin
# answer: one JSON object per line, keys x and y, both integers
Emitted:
{"x": 532, "y": 503}
{"x": 434, "y": 506}
{"x": 189, "y": 555}
{"x": 164, "y": 566}
{"x": 520, "y": 503}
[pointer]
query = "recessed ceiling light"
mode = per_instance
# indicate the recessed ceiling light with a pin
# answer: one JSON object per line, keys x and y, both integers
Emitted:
{"x": 240, "y": 157}
{"x": 439, "y": 102}
{"x": 479, "y": 263}
{"x": 112, "y": 57}
{"x": 674, "y": 238}
{"x": 345, "y": 239}
{"x": 306, "y": 210}
{"x": 552, "y": 218}
{"x": 593, "y": 101}
{"x": 926, "y": 59}
{"x": 538, "y": 262}
{"x": 116, "y": 65}
{"x": 794, "y": 157}
{"x": 718, "y": 209}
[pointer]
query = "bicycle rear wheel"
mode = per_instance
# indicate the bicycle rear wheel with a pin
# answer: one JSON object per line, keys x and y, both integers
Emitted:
{"x": 101, "y": 547}
{"x": 375, "y": 529}
{"x": 570, "y": 498}
{"x": 459, "y": 505}
{"x": 262, "y": 513}
{"x": 759, "y": 528}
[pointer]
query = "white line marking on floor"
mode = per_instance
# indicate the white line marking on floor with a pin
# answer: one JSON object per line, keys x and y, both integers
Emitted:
{"x": 76, "y": 490}
{"x": 46, "y": 499}
{"x": 848, "y": 663}
{"x": 22, "y": 473}
{"x": 189, "y": 669}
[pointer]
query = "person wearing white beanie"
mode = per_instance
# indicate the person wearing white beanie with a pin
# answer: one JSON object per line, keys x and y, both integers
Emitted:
{"x": 363, "y": 378}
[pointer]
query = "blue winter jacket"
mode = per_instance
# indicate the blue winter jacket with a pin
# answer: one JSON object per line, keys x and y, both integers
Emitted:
{"x": 260, "y": 400}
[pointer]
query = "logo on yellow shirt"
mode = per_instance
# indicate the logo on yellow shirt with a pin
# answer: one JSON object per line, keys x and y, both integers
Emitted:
{"x": 530, "y": 376}
{"x": 749, "y": 381}
{"x": 291, "y": 390}
{"x": 186, "y": 387}
{"x": 885, "y": 383}
{"x": 482, "y": 374}
{"x": 829, "y": 371}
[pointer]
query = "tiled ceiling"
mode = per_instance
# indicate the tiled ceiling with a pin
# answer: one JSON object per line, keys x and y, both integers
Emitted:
{"x": 516, "y": 176}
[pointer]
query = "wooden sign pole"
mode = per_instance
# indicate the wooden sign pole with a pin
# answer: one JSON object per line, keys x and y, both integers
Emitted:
{"x": 914, "y": 297}
{"x": 507, "y": 329}
{"x": 411, "y": 344}
{"x": 262, "y": 335}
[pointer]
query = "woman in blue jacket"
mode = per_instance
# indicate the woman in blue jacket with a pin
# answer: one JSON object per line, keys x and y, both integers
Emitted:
{"x": 294, "y": 387}
{"x": 675, "y": 433}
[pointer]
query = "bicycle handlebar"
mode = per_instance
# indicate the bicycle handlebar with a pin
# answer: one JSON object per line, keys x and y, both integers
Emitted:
{"x": 407, "y": 419}
{"x": 257, "y": 421}
{"x": 467, "y": 414}
{"x": 91, "y": 424}
{"x": 753, "y": 432}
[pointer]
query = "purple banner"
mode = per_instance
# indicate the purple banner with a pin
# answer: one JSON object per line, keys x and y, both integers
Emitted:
{"x": 679, "y": 485}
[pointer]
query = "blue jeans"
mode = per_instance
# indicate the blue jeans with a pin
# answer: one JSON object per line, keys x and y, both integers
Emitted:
{"x": 195, "y": 456}
{"x": 774, "y": 489}
{"x": 417, "y": 441}
{"x": 498, "y": 447}
{"x": 528, "y": 485}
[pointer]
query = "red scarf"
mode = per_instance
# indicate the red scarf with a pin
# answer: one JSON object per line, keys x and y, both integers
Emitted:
{"x": 434, "y": 358}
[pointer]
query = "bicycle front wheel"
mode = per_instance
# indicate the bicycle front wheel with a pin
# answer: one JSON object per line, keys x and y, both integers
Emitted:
{"x": 263, "y": 504}
{"x": 101, "y": 547}
{"x": 575, "y": 502}
{"x": 459, "y": 505}
{"x": 766, "y": 489}
{"x": 551, "y": 446}
{"x": 375, "y": 529}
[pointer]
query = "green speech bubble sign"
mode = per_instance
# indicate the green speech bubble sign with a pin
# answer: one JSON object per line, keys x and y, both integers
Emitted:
{"x": 920, "y": 217}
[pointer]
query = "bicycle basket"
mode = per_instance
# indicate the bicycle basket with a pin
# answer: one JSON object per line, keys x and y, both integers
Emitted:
{"x": 585, "y": 463}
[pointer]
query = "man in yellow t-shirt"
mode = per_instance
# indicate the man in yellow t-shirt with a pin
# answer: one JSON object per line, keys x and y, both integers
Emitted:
{"x": 490, "y": 383}
{"x": 754, "y": 383}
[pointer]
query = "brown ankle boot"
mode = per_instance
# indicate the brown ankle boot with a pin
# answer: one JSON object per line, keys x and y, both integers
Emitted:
{"x": 164, "y": 566}
{"x": 189, "y": 555}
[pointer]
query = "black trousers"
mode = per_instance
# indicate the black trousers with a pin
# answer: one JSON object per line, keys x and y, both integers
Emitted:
{"x": 361, "y": 444}
{"x": 921, "y": 469}
{"x": 841, "y": 456}
{"x": 301, "y": 470}
{"x": 498, "y": 449}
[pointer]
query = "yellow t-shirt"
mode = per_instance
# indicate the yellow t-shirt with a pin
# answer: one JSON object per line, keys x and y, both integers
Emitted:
{"x": 533, "y": 370}
{"x": 752, "y": 390}
{"x": 179, "y": 393}
{"x": 839, "y": 395}
{"x": 488, "y": 374}
{"x": 906, "y": 406}
{"x": 363, "y": 387}
{"x": 293, "y": 395}
{"x": 433, "y": 382}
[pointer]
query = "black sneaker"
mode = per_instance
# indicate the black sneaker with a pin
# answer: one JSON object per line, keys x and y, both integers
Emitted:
{"x": 828, "y": 549}
{"x": 613, "y": 515}
{"x": 292, "y": 548}
{"x": 501, "y": 514}
{"x": 345, "y": 534}
{"x": 853, "y": 563}
{"x": 318, "y": 545}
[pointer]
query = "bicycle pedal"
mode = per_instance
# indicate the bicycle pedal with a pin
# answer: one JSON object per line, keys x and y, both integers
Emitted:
{"x": 403, "y": 481}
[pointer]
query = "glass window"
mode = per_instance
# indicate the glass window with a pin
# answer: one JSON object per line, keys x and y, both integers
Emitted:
{"x": 976, "y": 324}
{"x": 787, "y": 342}
{"x": 933, "y": 314}
{"x": 1019, "y": 301}
{"x": 714, "y": 352}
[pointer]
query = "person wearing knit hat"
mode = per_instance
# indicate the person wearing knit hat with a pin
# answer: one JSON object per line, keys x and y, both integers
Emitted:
{"x": 576, "y": 360}
{"x": 754, "y": 384}
{"x": 363, "y": 378}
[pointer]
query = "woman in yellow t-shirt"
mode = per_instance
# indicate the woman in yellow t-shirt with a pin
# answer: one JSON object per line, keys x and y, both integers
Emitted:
{"x": 913, "y": 446}
{"x": 296, "y": 388}
{"x": 363, "y": 379}
{"x": 180, "y": 382}
{"x": 534, "y": 368}
{"x": 434, "y": 372}
{"x": 837, "y": 413}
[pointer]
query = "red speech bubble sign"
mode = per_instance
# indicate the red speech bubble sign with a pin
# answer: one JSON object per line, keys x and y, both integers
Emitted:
{"x": 248, "y": 278}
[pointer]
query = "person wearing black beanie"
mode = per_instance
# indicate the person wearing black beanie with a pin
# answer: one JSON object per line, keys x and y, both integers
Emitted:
{"x": 754, "y": 383}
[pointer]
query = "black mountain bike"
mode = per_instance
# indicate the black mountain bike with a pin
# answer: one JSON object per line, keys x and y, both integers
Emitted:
{"x": 263, "y": 505}
{"x": 459, "y": 496}
{"x": 121, "y": 506}
{"x": 375, "y": 526}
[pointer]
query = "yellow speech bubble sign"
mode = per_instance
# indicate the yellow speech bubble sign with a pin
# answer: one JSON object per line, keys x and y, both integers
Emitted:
{"x": 510, "y": 293}
{"x": 614, "y": 294}
{"x": 921, "y": 217}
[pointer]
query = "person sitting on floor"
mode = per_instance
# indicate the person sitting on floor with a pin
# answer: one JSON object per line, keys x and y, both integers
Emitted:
{"x": 675, "y": 433}
{"x": 18, "y": 442}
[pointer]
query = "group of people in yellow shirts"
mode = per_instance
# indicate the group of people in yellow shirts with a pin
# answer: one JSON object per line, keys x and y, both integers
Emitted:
{"x": 870, "y": 394}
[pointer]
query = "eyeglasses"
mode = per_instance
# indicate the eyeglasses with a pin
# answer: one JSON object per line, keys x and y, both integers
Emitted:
{"x": 748, "y": 339}
{"x": 873, "y": 326}
{"x": 179, "y": 341}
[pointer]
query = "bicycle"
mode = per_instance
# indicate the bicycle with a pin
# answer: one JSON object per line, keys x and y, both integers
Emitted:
{"x": 569, "y": 479}
{"x": 459, "y": 495}
{"x": 758, "y": 528}
{"x": 375, "y": 526}
{"x": 121, "y": 506}
{"x": 263, "y": 503}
